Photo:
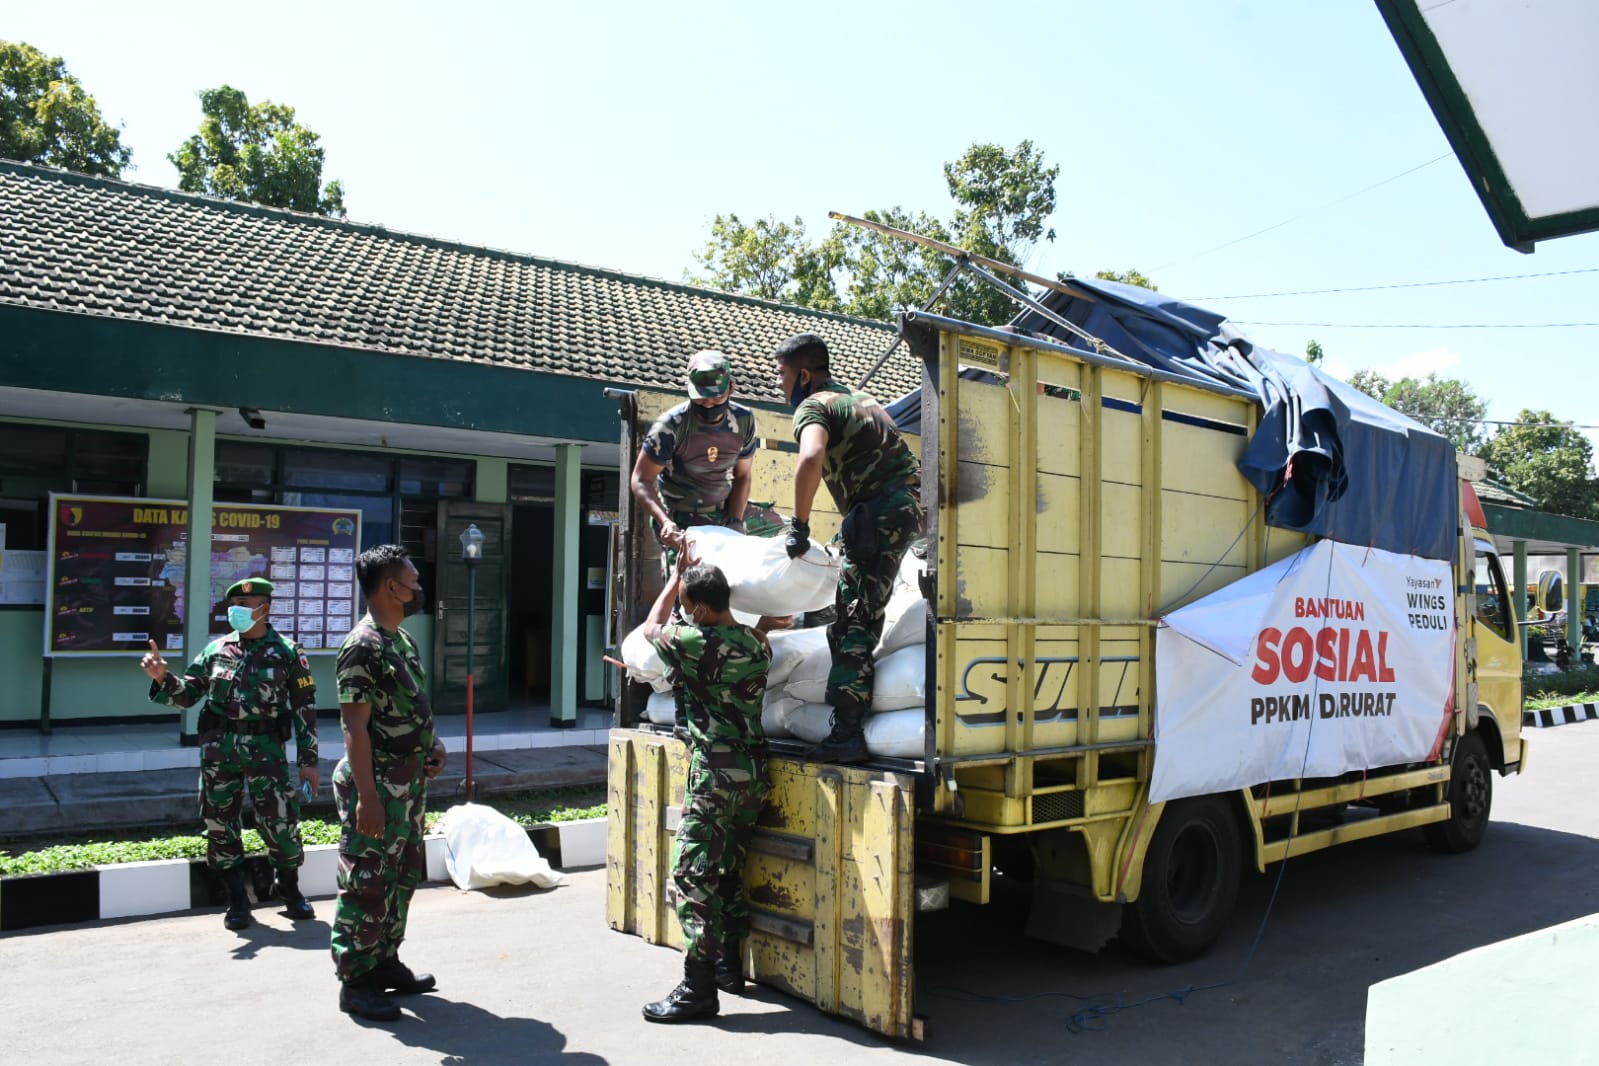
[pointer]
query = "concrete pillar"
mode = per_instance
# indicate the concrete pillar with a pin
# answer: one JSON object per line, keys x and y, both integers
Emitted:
{"x": 1519, "y": 597}
{"x": 567, "y": 586}
{"x": 197, "y": 566}
{"x": 1574, "y": 604}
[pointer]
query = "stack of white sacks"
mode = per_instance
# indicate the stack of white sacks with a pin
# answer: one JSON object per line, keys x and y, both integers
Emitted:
{"x": 764, "y": 581}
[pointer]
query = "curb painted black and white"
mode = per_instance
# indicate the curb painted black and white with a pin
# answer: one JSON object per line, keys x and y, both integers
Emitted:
{"x": 1545, "y": 717}
{"x": 165, "y": 886}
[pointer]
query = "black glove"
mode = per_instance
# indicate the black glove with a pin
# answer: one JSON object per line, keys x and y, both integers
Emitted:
{"x": 798, "y": 541}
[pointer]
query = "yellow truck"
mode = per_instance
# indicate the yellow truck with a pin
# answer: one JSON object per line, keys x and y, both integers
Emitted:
{"x": 1075, "y": 499}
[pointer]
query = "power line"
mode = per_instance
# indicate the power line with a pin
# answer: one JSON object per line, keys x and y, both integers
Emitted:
{"x": 1403, "y": 285}
{"x": 1303, "y": 214}
{"x": 1421, "y": 325}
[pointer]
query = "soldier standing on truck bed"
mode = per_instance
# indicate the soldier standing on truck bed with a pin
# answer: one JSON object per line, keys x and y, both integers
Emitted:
{"x": 849, "y": 441}
{"x": 257, "y": 687}
{"x": 720, "y": 666}
{"x": 694, "y": 466}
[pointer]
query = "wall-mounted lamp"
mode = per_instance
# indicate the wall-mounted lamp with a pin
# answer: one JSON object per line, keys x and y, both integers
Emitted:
{"x": 252, "y": 418}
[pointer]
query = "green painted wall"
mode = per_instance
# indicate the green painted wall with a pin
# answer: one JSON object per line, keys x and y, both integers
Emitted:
{"x": 493, "y": 480}
{"x": 21, "y": 640}
{"x": 168, "y": 472}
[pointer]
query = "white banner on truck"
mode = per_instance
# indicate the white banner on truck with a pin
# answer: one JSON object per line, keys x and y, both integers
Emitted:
{"x": 1337, "y": 658}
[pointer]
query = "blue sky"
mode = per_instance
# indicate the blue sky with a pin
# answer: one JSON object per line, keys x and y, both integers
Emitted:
{"x": 611, "y": 133}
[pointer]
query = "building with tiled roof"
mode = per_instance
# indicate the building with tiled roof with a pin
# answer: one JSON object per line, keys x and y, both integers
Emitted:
{"x": 137, "y": 253}
{"x": 157, "y": 345}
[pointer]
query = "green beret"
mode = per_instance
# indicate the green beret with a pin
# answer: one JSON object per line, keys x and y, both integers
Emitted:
{"x": 250, "y": 586}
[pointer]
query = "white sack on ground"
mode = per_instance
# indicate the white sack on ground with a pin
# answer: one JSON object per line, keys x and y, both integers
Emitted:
{"x": 789, "y": 648}
{"x": 763, "y": 579}
{"x": 904, "y": 624}
{"x": 901, "y": 734}
{"x": 661, "y": 709}
{"x": 483, "y": 847}
{"x": 811, "y": 722}
{"x": 643, "y": 661}
{"x": 900, "y": 679}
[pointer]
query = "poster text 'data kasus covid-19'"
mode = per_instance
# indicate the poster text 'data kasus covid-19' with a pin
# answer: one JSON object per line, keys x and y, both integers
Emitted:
{"x": 118, "y": 574}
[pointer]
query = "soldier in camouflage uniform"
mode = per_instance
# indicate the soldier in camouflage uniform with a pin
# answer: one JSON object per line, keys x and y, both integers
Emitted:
{"x": 381, "y": 788}
{"x": 720, "y": 667}
{"x": 694, "y": 466}
{"x": 257, "y": 687}
{"x": 847, "y": 440}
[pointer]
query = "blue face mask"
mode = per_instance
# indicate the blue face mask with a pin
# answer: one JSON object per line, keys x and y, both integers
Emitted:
{"x": 241, "y": 618}
{"x": 799, "y": 392}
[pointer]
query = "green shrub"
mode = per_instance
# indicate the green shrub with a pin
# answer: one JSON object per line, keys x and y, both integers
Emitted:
{"x": 524, "y": 809}
{"x": 1580, "y": 685}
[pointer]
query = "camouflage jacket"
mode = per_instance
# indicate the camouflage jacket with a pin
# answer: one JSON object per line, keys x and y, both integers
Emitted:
{"x": 383, "y": 669}
{"x": 866, "y": 456}
{"x": 721, "y": 671}
{"x": 250, "y": 681}
{"x": 699, "y": 456}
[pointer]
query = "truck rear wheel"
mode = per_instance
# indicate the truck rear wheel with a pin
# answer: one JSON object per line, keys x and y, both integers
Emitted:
{"x": 1190, "y": 884}
{"x": 1471, "y": 794}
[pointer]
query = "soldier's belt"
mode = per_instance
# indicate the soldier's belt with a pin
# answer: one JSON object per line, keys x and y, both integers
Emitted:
{"x": 254, "y": 727}
{"x": 725, "y": 757}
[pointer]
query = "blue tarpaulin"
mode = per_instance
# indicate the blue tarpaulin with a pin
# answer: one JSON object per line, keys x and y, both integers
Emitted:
{"x": 1329, "y": 460}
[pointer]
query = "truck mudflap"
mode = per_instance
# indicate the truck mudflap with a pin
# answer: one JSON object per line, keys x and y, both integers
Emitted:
{"x": 830, "y": 877}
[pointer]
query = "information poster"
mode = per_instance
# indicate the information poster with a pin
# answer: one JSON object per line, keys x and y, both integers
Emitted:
{"x": 117, "y": 572}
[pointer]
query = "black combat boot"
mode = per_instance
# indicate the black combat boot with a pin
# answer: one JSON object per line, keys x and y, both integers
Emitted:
{"x": 846, "y": 743}
{"x": 690, "y": 1001}
{"x": 238, "y": 912}
{"x": 392, "y": 975}
{"x": 297, "y": 906}
{"x": 364, "y": 998}
{"x": 730, "y": 968}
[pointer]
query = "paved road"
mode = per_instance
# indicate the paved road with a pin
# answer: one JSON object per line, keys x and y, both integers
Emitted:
{"x": 536, "y": 977}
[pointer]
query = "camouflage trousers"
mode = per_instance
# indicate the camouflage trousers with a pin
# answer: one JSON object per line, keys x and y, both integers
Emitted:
{"x": 874, "y": 544}
{"x": 377, "y": 875}
{"x": 725, "y": 789}
{"x": 231, "y": 763}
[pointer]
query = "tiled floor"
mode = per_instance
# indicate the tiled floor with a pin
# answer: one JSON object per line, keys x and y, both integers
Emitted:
{"x": 120, "y": 748}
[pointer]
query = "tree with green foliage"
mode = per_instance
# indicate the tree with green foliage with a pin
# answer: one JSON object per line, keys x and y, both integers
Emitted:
{"x": 47, "y": 117}
{"x": 1313, "y": 353}
{"x": 1127, "y": 277}
{"x": 770, "y": 259}
{"x": 255, "y": 153}
{"x": 1447, "y": 406}
{"x": 1547, "y": 460}
{"x": 1001, "y": 199}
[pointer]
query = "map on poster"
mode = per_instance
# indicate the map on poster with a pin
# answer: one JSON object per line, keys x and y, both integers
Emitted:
{"x": 117, "y": 572}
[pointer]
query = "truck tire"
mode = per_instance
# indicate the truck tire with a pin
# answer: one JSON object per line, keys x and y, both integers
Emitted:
{"x": 1471, "y": 794}
{"x": 1190, "y": 884}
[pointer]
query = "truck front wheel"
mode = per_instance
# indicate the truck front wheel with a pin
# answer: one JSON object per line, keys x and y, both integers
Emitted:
{"x": 1190, "y": 883}
{"x": 1471, "y": 794}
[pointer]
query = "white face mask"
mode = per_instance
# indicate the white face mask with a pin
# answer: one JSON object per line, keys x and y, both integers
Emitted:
{"x": 241, "y": 618}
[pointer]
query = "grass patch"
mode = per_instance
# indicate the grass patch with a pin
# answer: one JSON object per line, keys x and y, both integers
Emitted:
{"x": 82, "y": 851}
{"x": 1580, "y": 685}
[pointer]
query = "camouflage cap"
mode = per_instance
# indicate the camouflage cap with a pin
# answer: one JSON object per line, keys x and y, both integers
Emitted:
{"x": 250, "y": 586}
{"x": 709, "y": 375}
